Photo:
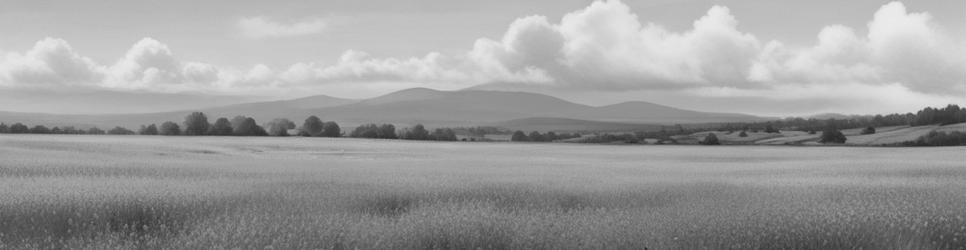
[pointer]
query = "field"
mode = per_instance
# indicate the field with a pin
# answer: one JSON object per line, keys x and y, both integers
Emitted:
{"x": 304, "y": 193}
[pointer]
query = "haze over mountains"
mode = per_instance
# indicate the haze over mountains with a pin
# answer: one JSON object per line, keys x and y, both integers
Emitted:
{"x": 514, "y": 110}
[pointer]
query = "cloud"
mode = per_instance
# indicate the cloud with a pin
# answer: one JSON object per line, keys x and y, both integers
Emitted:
{"x": 51, "y": 62}
{"x": 901, "y": 47}
{"x": 604, "y": 47}
{"x": 262, "y": 27}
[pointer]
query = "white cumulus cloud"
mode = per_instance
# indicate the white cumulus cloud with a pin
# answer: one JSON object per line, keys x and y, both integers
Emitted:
{"x": 603, "y": 47}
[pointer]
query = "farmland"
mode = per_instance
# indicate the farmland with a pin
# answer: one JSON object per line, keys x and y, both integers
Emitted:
{"x": 62, "y": 191}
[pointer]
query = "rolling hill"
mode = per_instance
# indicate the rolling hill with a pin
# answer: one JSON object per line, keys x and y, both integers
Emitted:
{"x": 420, "y": 105}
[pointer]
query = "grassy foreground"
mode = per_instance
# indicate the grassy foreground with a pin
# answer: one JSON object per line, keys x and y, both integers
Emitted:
{"x": 304, "y": 193}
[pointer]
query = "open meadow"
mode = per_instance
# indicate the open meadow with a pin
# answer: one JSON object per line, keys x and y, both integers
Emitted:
{"x": 62, "y": 191}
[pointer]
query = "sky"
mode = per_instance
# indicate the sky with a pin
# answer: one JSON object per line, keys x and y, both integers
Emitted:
{"x": 777, "y": 57}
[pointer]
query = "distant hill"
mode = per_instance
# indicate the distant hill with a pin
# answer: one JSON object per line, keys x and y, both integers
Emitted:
{"x": 432, "y": 108}
{"x": 571, "y": 125}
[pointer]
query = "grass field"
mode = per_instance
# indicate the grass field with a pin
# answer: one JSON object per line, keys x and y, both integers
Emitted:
{"x": 304, "y": 193}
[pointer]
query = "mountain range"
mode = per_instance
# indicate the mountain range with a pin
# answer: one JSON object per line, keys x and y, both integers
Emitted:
{"x": 433, "y": 108}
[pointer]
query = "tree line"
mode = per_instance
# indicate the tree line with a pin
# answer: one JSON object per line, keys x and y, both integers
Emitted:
{"x": 197, "y": 124}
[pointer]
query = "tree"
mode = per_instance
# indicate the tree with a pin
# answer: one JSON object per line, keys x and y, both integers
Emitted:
{"x": 221, "y": 127}
{"x": 3, "y": 128}
{"x": 519, "y": 136}
{"x": 56, "y": 130}
{"x": 551, "y": 136}
{"x": 170, "y": 128}
{"x": 280, "y": 127}
{"x": 444, "y": 134}
{"x": 742, "y": 134}
{"x": 535, "y": 136}
{"x": 771, "y": 129}
{"x": 196, "y": 124}
{"x": 149, "y": 130}
{"x": 95, "y": 131}
{"x": 40, "y": 129}
{"x": 711, "y": 139}
{"x": 120, "y": 131}
{"x": 249, "y": 127}
{"x": 331, "y": 129}
{"x": 868, "y": 131}
{"x": 832, "y": 135}
{"x": 18, "y": 128}
{"x": 70, "y": 130}
{"x": 313, "y": 126}
{"x": 417, "y": 132}
{"x": 237, "y": 121}
{"x": 387, "y": 131}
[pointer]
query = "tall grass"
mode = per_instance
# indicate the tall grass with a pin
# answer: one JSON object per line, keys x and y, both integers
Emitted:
{"x": 202, "y": 193}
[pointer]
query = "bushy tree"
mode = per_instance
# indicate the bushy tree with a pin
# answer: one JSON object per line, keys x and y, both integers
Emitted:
{"x": 313, "y": 126}
{"x": 18, "y": 128}
{"x": 70, "y": 130}
{"x": 832, "y": 135}
{"x": 771, "y": 129}
{"x": 196, "y": 124}
{"x": 56, "y": 130}
{"x": 935, "y": 138}
{"x": 120, "y": 131}
{"x": 444, "y": 134}
{"x": 237, "y": 121}
{"x": 40, "y": 129}
{"x": 868, "y": 131}
{"x": 417, "y": 132}
{"x": 95, "y": 131}
{"x": 519, "y": 136}
{"x": 221, "y": 127}
{"x": 280, "y": 127}
{"x": 743, "y": 134}
{"x": 170, "y": 128}
{"x": 551, "y": 136}
{"x": 148, "y": 130}
{"x": 710, "y": 139}
{"x": 535, "y": 136}
{"x": 387, "y": 131}
{"x": 249, "y": 127}
{"x": 331, "y": 129}
{"x": 3, "y": 128}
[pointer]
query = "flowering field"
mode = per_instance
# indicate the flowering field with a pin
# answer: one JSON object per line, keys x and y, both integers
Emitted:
{"x": 100, "y": 192}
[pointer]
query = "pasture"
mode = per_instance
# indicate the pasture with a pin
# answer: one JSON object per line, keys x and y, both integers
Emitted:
{"x": 60, "y": 191}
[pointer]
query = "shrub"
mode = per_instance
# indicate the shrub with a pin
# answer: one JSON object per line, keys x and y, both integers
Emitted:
{"x": 120, "y": 131}
{"x": 743, "y": 134}
{"x": 40, "y": 129}
{"x": 710, "y": 139}
{"x": 385, "y": 131}
{"x": 868, "y": 131}
{"x": 832, "y": 135}
{"x": 934, "y": 138}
